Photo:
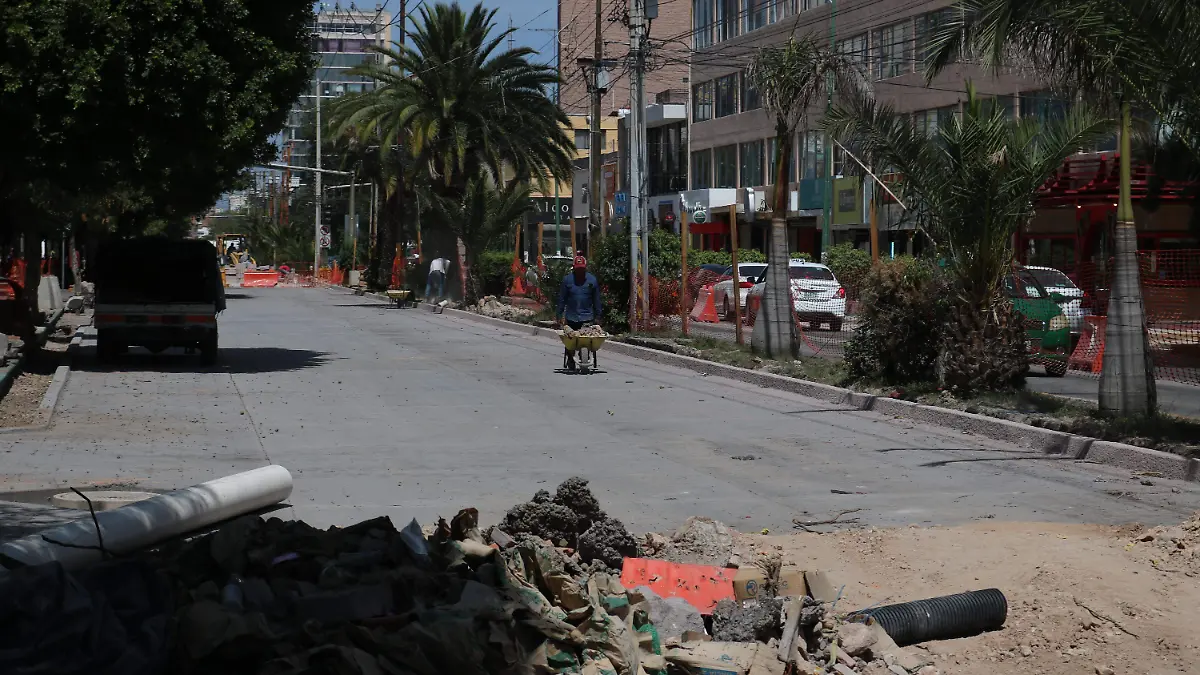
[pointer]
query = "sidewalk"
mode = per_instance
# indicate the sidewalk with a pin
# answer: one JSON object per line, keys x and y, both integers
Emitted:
{"x": 1174, "y": 398}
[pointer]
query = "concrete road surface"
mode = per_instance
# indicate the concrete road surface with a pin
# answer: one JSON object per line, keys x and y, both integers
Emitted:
{"x": 378, "y": 410}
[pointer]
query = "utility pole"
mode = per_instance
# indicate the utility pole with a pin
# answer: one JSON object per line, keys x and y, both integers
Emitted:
{"x": 596, "y": 197}
{"x": 317, "y": 193}
{"x": 353, "y": 215}
{"x": 826, "y": 235}
{"x": 639, "y": 238}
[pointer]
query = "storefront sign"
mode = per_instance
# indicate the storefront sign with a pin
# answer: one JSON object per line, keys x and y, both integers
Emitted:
{"x": 847, "y": 202}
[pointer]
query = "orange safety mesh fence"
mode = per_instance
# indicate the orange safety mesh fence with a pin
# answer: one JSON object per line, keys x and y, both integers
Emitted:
{"x": 1171, "y": 299}
{"x": 668, "y": 301}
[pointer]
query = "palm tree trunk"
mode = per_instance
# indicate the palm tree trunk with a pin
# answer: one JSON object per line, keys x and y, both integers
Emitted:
{"x": 774, "y": 331}
{"x": 385, "y": 238}
{"x": 1127, "y": 386}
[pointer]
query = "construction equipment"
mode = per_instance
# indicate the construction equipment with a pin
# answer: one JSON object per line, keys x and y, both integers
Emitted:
{"x": 584, "y": 346}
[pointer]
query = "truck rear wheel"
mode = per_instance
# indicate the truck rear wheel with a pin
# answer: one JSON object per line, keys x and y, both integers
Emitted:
{"x": 107, "y": 349}
{"x": 208, "y": 350}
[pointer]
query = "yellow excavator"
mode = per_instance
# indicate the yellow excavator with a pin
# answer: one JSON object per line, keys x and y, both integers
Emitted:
{"x": 231, "y": 248}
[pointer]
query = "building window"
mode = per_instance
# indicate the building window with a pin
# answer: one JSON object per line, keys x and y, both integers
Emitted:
{"x": 667, "y": 158}
{"x": 812, "y": 4}
{"x": 927, "y": 26}
{"x": 781, "y": 8}
{"x": 812, "y": 155}
{"x": 726, "y": 95}
{"x": 752, "y": 163}
{"x": 756, "y": 14}
{"x": 927, "y": 122}
{"x": 583, "y": 139}
{"x": 1004, "y": 103}
{"x": 702, "y": 102}
{"x": 728, "y": 19}
{"x": 772, "y": 142}
{"x": 725, "y": 158}
{"x": 750, "y": 98}
{"x": 702, "y": 23}
{"x": 893, "y": 50}
{"x": 1042, "y": 106}
{"x": 855, "y": 49}
{"x": 701, "y": 169}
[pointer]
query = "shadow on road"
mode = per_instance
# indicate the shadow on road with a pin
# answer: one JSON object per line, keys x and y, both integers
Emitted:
{"x": 378, "y": 305}
{"x": 229, "y": 359}
{"x": 236, "y": 296}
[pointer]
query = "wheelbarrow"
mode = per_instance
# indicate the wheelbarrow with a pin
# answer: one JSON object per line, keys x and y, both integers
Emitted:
{"x": 399, "y": 296}
{"x": 585, "y": 348}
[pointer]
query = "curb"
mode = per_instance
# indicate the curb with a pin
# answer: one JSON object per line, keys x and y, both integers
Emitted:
{"x": 58, "y": 383}
{"x": 1029, "y": 437}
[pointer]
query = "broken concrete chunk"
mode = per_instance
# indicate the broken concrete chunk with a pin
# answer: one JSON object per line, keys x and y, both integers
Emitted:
{"x": 607, "y": 540}
{"x": 820, "y": 586}
{"x": 672, "y": 617}
{"x": 856, "y": 639}
{"x": 757, "y": 621}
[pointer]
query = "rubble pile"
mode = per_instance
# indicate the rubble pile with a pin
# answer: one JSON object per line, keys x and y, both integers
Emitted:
{"x": 1176, "y": 545}
{"x": 586, "y": 331}
{"x": 491, "y": 306}
{"x": 573, "y": 519}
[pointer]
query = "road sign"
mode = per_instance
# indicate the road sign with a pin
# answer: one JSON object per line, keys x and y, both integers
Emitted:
{"x": 324, "y": 230}
{"x": 326, "y": 241}
{"x": 621, "y": 204}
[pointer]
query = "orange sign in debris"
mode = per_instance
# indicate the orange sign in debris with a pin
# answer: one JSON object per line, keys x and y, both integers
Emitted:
{"x": 701, "y": 585}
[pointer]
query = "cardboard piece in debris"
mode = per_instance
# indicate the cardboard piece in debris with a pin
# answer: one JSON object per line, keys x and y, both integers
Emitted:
{"x": 748, "y": 582}
{"x": 725, "y": 658}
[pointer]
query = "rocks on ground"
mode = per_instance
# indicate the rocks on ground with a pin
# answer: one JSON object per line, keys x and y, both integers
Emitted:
{"x": 573, "y": 518}
{"x": 491, "y": 306}
{"x": 757, "y": 621}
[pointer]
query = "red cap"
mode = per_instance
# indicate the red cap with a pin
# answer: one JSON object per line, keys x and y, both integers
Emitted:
{"x": 580, "y": 262}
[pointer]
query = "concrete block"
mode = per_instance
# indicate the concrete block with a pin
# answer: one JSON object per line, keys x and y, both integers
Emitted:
{"x": 1140, "y": 459}
{"x": 49, "y": 295}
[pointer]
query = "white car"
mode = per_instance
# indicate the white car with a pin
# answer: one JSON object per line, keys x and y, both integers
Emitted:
{"x": 1054, "y": 281}
{"x": 817, "y": 296}
{"x": 748, "y": 274}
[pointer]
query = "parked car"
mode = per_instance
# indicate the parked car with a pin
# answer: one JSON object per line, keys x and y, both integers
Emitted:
{"x": 748, "y": 274}
{"x": 817, "y": 296}
{"x": 1077, "y": 306}
{"x": 1047, "y": 329}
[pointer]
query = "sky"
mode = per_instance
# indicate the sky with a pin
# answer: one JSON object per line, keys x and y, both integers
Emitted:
{"x": 528, "y": 16}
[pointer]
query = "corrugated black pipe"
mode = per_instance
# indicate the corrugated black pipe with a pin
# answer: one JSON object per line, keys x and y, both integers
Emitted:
{"x": 945, "y": 618}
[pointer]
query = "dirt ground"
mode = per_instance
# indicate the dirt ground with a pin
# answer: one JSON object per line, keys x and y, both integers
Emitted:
{"x": 19, "y": 406}
{"x": 1083, "y": 599}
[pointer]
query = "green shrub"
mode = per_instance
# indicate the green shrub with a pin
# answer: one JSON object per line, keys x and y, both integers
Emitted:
{"x": 751, "y": 255}
{"x": 902, "y": 315}
{"x": 800, "y": 255}
{"x": 698, "y": 258}
{"x": 850, "y": 265}
{"x": 493, "y": 270}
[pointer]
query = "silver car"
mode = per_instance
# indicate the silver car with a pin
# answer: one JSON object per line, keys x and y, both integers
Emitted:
{"x": 748, "y": 274}
{"x": 1054, "y": 281}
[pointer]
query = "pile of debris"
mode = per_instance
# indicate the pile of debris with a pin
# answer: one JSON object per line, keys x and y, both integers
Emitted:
{"x": 1175, "y": 546}
{"x": 556, "y": 587}
{"x": 586, "y": 331}
{"x": 491, "y": 306}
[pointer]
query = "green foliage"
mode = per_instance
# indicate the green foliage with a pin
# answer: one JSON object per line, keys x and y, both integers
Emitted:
{"x": 479, "y": 216}
{"x": 850, "y": 265}
{"x": 800, "y": 255}
{"x": 494, "y": 271}
{"x": 902, "y": 311}
{"x": 745, "y": 255}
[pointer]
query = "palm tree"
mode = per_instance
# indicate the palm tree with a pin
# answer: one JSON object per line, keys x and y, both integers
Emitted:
{"x": 1133, "y": 52}
{"x": 484, "y": 212}
{"x": 970, "y": 187}
{"x": 789, "y": 78}
{"x": 461, "y": 106}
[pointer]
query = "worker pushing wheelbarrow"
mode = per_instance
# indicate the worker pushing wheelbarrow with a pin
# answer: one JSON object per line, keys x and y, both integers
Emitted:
{"x": 579, "y": 306}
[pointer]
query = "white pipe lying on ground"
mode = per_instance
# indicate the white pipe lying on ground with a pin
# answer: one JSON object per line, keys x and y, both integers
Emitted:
{"x": 146, "y": 523}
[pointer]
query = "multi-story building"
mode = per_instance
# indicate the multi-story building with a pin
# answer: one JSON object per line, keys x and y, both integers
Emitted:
{"x": 342, "y": 41}
{"x": 732, "y": 136}
{"x": 576, "y": 40}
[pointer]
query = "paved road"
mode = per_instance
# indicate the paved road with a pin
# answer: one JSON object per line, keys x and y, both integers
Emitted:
{"x": 377, "y": 410}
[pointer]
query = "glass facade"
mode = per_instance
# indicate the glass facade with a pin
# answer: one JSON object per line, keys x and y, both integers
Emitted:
{"x": 702, "y": 164}
{"x": 725, "y": 159}
{"x": 726, "y": 95}
{"x": 666, "y": 157}
{"x": 791, "y": 161}
{"x": 702, "y": 23}
{"x": 893, "y": 47}
{"x": 751, "y": 156}
{"x": 702, "y": 102}
{"x": 750, "y": 98}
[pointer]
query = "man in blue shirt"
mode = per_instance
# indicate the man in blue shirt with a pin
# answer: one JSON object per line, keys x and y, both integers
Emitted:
{"x": 578, "y": 300}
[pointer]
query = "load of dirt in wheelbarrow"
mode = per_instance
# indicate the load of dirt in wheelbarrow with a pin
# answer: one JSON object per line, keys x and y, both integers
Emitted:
{"x": 586, "y": 331}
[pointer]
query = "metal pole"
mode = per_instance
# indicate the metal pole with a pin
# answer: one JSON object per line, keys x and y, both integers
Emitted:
{"x": 596, "y": 197}
{"x": 826, "y": 235}
{"x": 874, "y": 225}
{"x": 317, "y": 193}
{"x": 737, "y": 278}
{"x": 557, "y": 223}
{"x": 638, "y": 234}
{"x": 353, "y": 219}
{"x": 683, "y": 269}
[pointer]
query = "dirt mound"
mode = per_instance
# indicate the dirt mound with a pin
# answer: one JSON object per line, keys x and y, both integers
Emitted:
{"x": 572, "y": 518}
{"x": 546, "y": 520}
{"x": 575, "y": 494}
{"x": 1175, "y": 545}
{"x": 607, "y": 540}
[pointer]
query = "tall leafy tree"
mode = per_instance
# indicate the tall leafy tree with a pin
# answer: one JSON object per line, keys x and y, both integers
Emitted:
{"x": 790, "y": 78}
{"x": 485, "y": 211}
{"x": 971, "y": 186}
{"x": 1132, "y": 52}
{"x": 461, "y": 106}
{"x": 164, "y": 101}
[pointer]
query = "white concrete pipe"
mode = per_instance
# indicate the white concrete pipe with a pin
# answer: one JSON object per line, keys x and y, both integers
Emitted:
{"x": 146, "y": 523}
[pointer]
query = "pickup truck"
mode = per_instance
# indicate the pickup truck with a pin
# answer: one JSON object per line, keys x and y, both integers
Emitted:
{"x": 157, "y": 293}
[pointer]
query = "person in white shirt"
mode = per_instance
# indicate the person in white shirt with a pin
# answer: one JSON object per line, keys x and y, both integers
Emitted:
{"x": 438, "y": 268}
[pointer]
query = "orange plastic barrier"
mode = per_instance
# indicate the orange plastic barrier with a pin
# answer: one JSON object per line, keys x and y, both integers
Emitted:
{"x": 1089, "y": 353}
{"x": 701, "y": 585}
{"x": 705, "y": 310}
{"x": 260, "y": 279}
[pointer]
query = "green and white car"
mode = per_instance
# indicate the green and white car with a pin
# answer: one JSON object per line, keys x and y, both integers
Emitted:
{"x": 1047, "y": 328}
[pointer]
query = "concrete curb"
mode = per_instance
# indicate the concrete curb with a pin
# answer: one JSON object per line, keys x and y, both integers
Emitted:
{"x": 45, "y": 411}
{"x": 1022, "y": 435}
